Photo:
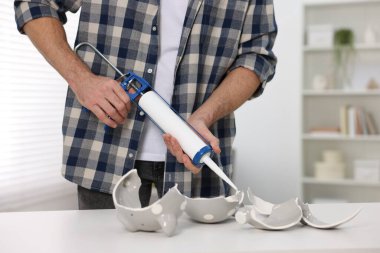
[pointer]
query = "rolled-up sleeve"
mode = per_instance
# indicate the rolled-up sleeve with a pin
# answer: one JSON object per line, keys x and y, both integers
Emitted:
{"x": 256, "y": 42}
{"x": 28, "y": 10}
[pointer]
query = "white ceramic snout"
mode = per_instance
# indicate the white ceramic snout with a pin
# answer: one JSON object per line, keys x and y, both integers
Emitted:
{"x": 162, "y": 214}
{"x": 213, "y": 210}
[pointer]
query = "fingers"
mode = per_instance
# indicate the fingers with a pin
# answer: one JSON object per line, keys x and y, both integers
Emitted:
{"x": 113, "y": 102}
{"x": 215, "y": 145}
{"x": 102, "y": 116}
{"x": 205, "y": 132}
{"x": 213, "y": 141}
{"x": 122, "y": 96}
{"x": 118, "y": 104}
{"x": 176, "y": 150}
{"x": 173, "y": 147}
{"x": 111, "y": 111}
{"x": 189, "y": 164}
{"x": 118, "y": 98}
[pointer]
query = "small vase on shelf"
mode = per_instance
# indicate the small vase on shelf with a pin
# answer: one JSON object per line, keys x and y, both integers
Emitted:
{"x": 344, "y": 53}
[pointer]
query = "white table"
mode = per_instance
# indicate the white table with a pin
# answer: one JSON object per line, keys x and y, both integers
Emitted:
{"x": 99, "y": 231}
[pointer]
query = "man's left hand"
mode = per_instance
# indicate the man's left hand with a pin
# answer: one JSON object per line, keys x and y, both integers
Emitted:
{"x": 176, "y": 150}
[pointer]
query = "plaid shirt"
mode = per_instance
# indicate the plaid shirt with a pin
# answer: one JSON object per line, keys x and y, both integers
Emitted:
{"x": 217, "y": 37}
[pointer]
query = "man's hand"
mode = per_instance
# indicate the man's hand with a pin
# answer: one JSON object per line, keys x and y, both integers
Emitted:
{"x": 105, "y": 98}
{"x": 102, "y": 95}
{"x": 235, "y": 89}
{"x": 176, "y": 150}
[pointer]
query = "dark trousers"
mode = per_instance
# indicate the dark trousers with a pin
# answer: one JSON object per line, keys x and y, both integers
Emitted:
{"x": 88, "y": 199}
{"x": 149, "y": 172}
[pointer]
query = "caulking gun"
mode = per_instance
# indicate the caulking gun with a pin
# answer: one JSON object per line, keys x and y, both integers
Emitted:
{"x": 154, "y": 106}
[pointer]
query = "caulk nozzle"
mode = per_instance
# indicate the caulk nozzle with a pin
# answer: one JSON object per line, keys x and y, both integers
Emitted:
{"x": 214, "y": 167}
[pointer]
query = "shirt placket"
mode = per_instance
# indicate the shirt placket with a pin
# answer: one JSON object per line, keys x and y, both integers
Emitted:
{"x": 152, "y": 29}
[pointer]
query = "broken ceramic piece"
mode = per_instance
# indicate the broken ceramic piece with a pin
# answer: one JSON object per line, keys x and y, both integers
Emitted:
{"x": 283, "y": 216}
{"x": 309, "y": 219}
{"x": 266, "y": 209}
{"x": 162, "y": 214}
{"x": 261, "y": 206}
{"x": 213, "y": 210}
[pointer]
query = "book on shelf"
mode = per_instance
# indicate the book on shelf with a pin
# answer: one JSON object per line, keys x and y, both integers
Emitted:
{"x": 361, "y": 121}
{"x": 352, "y": 121}
{"x": 355, "y": 121}
{"x": 343, "y": 120}
{"x": 325, "y": 131}
{"x": 359, "y": 130}
{"x": 372, "y": 128}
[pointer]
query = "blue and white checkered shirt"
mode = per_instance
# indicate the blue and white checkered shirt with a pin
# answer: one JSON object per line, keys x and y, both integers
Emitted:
{"x": 217, "y": 37}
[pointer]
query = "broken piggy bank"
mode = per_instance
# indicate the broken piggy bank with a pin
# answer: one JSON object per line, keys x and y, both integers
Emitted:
{"x": 213, "y": 210}
{"x": 162, "y": 214}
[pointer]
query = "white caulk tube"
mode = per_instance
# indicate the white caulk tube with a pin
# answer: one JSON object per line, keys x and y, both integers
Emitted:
{"x": 170, "y": 122}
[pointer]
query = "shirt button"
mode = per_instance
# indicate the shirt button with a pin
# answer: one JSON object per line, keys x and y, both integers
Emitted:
{"x": 150, "y": 71}
{"x": 130, "y": 155}
{"x": 154, "y": 28}
{"x": 142, "y": 113}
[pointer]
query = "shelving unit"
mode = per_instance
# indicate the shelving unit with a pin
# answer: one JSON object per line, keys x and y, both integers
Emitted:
{"x": 341, "y": 93}
{"x": 343, "y": 182}
{"x": 322, "y": 108}
{"x": 359, "y": 47}
{"x": 321, "y": 137}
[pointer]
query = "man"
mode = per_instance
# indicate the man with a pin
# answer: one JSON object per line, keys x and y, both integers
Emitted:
{"x": 204, "y": 57}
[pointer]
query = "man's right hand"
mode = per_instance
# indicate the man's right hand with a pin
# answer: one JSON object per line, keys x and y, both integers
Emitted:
{"x": 102, "y": 95}
{"x": 105, "y": 98}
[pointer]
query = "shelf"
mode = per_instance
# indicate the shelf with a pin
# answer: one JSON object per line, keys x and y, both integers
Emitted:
{"x": 361, "y": 47}
{"x": 338, "y": 137}
{"x": 339, "y": 182}
{"x": 311, "y": 3}
{"x": 322, "y": 110}
{"x": 342, "y": 93}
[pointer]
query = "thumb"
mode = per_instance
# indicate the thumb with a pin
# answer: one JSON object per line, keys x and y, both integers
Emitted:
{"x": 214, "y": 142}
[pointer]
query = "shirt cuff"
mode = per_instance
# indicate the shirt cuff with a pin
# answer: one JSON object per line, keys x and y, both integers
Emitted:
{"x": 258, "y": 64}
{"x": 27, "y": 11}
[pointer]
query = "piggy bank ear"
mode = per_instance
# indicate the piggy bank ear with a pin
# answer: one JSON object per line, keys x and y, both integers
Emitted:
{"x": 168, "y": 223}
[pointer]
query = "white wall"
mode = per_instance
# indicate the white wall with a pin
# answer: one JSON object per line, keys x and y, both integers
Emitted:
{"x": 267, "y": 146}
